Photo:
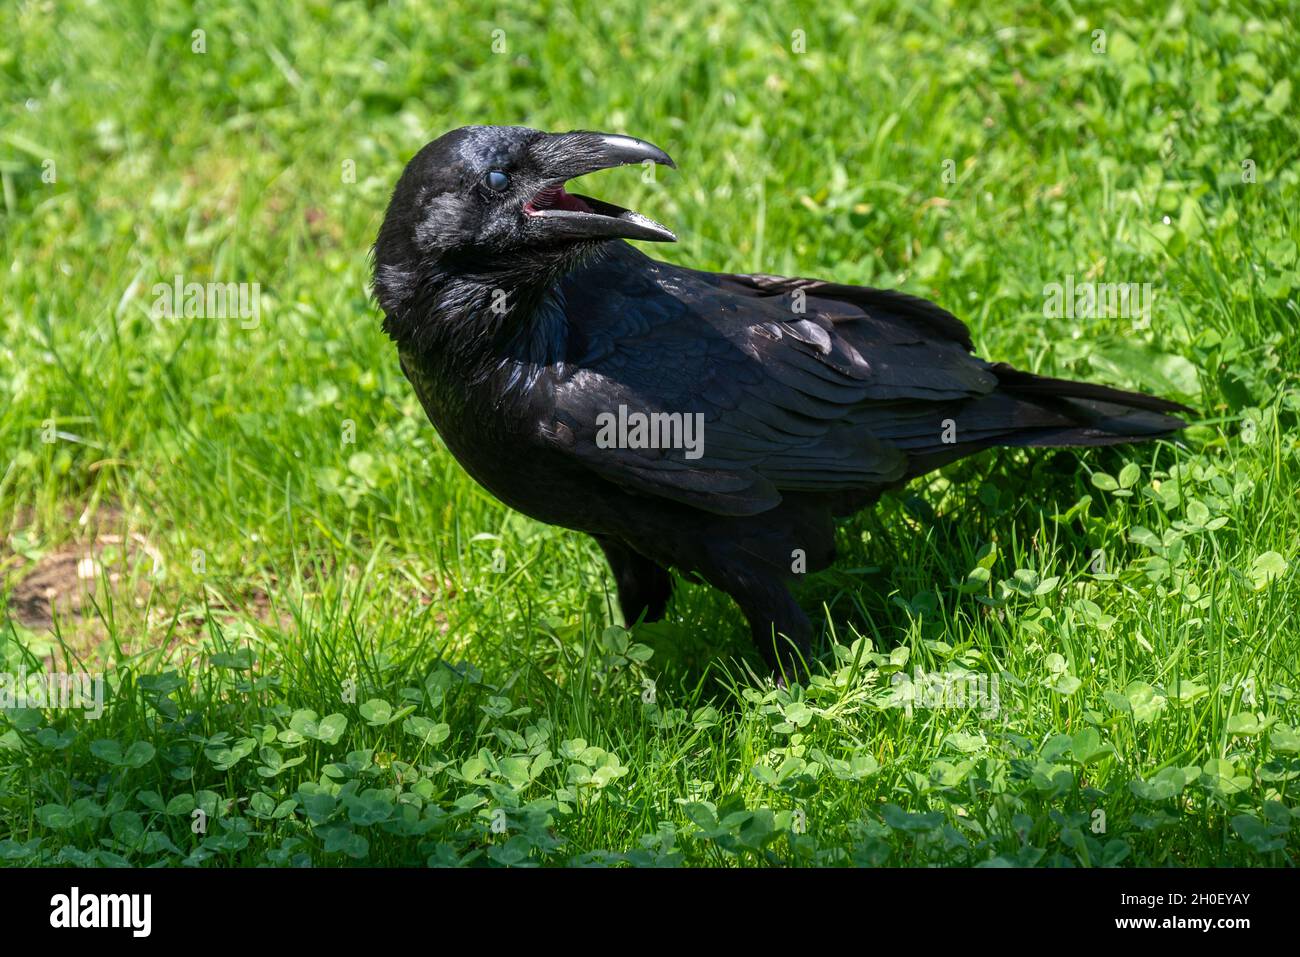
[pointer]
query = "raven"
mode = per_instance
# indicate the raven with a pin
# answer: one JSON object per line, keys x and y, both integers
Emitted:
{"x": 711, "y": 423}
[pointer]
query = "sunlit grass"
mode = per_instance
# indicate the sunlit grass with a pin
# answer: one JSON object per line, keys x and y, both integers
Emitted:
{"x": 276, "y": 535}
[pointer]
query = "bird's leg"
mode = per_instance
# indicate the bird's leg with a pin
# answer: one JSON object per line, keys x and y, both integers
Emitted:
{"x": 643, "y": 586}
{"x": 781, "y": 631}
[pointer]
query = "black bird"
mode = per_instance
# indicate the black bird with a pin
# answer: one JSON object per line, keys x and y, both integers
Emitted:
{"x": 557, "y": 361}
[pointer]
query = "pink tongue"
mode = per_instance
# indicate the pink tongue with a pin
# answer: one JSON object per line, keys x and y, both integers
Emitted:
{"x": 566, "y": 201}
{"x": 557, "y": 198}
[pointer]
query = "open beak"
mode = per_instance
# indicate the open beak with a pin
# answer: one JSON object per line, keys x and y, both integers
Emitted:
{"x": 557, "y": 214}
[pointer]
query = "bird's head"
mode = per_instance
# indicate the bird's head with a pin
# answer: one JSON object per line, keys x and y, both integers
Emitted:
{"x": 481, "y": 201}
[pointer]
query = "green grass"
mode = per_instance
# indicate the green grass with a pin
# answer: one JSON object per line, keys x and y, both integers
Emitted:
{"x": 256, "y": 573}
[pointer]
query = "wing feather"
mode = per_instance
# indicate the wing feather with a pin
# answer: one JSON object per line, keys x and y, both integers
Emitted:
{"x": 820, "y": 399}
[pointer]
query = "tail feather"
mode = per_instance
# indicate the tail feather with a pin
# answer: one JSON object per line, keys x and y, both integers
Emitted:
{"x": 1028, "y": 411}
{"x": 1094, "y": 414}
{"x": 1026, "y": 383}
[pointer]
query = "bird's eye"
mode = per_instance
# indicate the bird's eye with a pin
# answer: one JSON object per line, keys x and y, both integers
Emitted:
{"x": 497, "y": 180}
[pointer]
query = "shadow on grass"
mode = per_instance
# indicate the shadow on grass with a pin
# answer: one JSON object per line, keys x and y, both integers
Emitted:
{"x": 903, "y": 560}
